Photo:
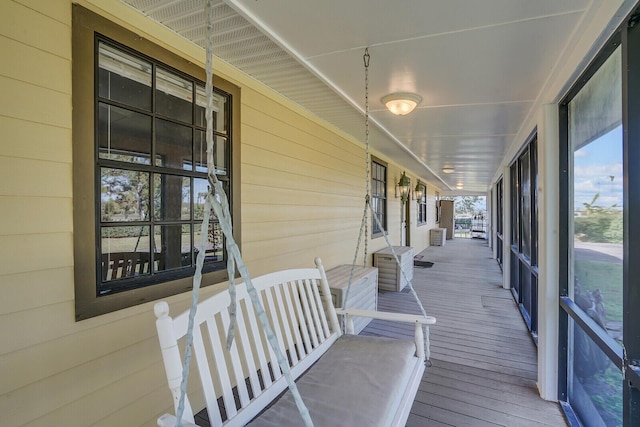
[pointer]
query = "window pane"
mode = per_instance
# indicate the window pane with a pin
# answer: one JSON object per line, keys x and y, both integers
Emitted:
{"x": 124, "y": 195}
{"x": 173, "y": 145}
{"x": 525, "y": 205}
{"x": 219, "y": 153}
{"x": 595, "y": 134}
{"x": 595, "y": 387}
{"x": 200, "y": 191}
{"x": 174, "y": 96}
{"x": 214, "y": 249}
{"x": 171, "y": 197}
{"x": 219, "y": 110}
{"x": 124, "y": 135}
{"x": 514, "y": 204}
{"x": 125, "y": 252}
{"x": 123, "y": 78}
{"x": 173, "y": 242}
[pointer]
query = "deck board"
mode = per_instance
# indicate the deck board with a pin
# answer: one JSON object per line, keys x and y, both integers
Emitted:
{"x": 484, "y": 362}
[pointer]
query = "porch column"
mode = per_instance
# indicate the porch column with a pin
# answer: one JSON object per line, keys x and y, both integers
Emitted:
{"x": 548, "y": 287}
{"x": 506, "y": 228}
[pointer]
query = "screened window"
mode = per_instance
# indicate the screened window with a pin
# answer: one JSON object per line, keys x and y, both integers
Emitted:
{"x": 422, "y": 206}
{"x": 140, "y": 168}
{"x": 596, "y": 227}
{"x": 524, "y": 220}
{"x": 378, "y": 197}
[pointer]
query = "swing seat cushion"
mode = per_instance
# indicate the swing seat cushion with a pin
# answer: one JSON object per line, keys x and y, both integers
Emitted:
{"x": 359, "y": 381}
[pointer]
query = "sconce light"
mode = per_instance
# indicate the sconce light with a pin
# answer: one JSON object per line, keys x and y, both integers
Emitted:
{"x": 403, "y": 186}
{"x": 418, "y": 191}
{"x": 401, "y": 103}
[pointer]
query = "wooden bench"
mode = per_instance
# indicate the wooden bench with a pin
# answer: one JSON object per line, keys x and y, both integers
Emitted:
{"x": 348, "y": 379}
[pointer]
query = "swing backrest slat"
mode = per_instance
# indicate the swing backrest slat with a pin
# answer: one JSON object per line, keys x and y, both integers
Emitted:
{"x": 236, "y": 384}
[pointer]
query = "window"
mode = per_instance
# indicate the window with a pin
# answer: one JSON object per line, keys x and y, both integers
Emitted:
{"x": 437, "y": 207}
{"x": 524, "y": 220}
{"x": 140, "y": 168}
{"x": 378, "y": 197}
{"x": 422, "y": 205}
{"x": 499, "y": 219}
{"x": 595, "y": 207}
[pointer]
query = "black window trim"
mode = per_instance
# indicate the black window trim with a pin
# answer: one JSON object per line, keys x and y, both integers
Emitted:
{"x": 383, "y": 220}
{"x": 86, "y": 25}
{"x": 421, "y": 209}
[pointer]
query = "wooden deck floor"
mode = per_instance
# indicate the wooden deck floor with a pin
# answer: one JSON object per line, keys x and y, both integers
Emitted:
{"x": 484, "y": 361}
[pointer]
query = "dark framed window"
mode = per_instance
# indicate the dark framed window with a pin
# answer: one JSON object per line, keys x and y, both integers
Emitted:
{"x": 421, "y": 211}
{"x": 378, "y": 197}
{"x": 140, "y": 168}
{"x": 437, "y": 207}
{"x": 524, "y": 242}
{"x": 499, "y": 220}
{"x": 599, "y": 378}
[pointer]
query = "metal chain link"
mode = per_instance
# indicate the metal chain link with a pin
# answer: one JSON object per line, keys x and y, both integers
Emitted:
{"x": 367, "y": 200}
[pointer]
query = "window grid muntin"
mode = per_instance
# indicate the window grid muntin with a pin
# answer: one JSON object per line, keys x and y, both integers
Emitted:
{"x": 378, "y": 196}
{"x": 421, "y": 212}
{"x": 153, "y": 170}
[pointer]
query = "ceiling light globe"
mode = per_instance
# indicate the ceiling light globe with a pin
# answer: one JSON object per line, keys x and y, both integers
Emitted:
{"x": 402, "y": 103}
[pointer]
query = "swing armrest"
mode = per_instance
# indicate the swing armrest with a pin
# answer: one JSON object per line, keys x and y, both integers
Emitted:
{"x": 417, "y": 320}
{"x": 384, "y": 315}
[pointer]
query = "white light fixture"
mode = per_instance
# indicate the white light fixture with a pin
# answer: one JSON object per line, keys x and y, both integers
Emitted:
{"x": 401, "y": 103}
{"x": 459, "y": 186}
{"x": 448, "y": 170}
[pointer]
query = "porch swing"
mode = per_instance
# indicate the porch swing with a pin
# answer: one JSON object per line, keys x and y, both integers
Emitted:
{"x": 348, "y": 379}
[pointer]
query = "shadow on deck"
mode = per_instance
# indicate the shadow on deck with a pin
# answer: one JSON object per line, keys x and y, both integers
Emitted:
{"x": 484, "y": 360}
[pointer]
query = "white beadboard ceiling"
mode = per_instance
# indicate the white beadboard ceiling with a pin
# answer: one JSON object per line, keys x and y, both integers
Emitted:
{"x": 479, "y": 67}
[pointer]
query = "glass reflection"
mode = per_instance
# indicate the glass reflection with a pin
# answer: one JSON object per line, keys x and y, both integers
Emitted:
{"x": 124, "y": 135}
{"x": 219, "y": 110}
{"x": 173, "y": 242}
{"x": 171, "y": 197}
{"x": 595, "y": 385}
{"x": 123, "y": 78}
{"x": 215, "y": 242}
{"x": 173, "y": 145}
{"x": 125, "y": 252}
{"x": 124, "y": 195}
{"x": 219, "y": 158}
{"x": 174, "y": 96}
{"x": 595, "y": 132}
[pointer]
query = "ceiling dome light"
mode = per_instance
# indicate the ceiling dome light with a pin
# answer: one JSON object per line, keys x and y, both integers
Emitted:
{"x": 448, "y": 170}
{"x": 459, "y": 186}
{"x": 401, "y": 103}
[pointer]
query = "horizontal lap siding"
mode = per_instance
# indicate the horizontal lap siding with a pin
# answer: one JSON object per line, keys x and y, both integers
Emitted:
{"x": 302, "y": 189}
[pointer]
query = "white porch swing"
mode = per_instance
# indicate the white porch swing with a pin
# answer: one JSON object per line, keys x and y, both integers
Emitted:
{"x": 348, "y": 380}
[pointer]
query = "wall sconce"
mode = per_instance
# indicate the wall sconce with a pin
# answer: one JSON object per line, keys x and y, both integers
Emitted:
{"x": 418, "y": 192}
{"x": 401, "y": 103}
{"x": 403, "y": 185}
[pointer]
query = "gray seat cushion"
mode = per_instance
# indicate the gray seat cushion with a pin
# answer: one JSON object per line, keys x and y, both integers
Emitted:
{"x": 359, "y": 381}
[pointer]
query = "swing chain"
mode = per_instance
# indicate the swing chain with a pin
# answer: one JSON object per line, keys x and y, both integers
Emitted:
{"x": 366, "y": 59}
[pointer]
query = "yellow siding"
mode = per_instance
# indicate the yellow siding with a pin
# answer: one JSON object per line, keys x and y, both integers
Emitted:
{"x": 302, "y": 195}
